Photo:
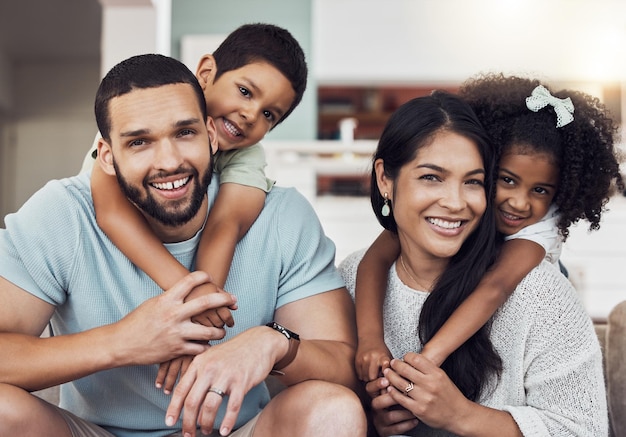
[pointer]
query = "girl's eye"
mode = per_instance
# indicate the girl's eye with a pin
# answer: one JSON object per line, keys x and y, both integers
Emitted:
{"x": 541, "y": 190}
{"x": 244, "y": 91}
{"x": 268, "y": 115}
{"x": 507, "y": 180}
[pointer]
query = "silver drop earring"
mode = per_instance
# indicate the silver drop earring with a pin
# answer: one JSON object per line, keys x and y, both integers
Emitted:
{"x": 386, "y": 210}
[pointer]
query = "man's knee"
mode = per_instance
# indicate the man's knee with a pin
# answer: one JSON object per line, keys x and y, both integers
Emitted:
{"x": 22, "y": 413}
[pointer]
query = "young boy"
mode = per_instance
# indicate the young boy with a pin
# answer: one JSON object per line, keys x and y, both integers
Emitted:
{"x": 251, "y": 83}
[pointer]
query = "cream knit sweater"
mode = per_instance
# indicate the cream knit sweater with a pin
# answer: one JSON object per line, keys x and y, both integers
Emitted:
{"x": 552, "y": 382}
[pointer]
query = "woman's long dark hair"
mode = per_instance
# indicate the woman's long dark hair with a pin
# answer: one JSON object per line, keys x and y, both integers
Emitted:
{"x": 411, "y": 127}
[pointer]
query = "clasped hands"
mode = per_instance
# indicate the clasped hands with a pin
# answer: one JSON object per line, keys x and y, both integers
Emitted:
{"x": 407, "y": 391}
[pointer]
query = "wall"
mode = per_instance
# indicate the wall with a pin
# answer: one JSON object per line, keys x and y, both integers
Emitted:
{"x": 195, "y": 17}
{"x": 408, "y": 40}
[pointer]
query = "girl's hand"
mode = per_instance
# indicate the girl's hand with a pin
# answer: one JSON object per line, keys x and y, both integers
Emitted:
{"x": 372, "y": 357}
{"x": 424, "y": 389}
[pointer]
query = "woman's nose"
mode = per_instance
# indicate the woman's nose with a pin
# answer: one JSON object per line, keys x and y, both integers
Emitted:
{"x": 454, "y": 200}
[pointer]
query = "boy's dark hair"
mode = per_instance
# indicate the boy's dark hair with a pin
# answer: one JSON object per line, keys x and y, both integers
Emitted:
{"x": 140, "y": 72}
{"x": 583, "y": 150}
{"x": 268, "y": 43}
{"x": 414, "y": 126}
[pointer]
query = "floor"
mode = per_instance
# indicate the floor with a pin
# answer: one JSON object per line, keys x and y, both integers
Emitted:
{"x": 595, "y": 260}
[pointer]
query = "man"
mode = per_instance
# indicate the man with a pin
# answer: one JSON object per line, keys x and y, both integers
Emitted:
{"x": 113, "y": 325}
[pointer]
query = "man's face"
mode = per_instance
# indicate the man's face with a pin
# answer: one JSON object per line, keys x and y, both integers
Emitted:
{"x": 160, "y": 152}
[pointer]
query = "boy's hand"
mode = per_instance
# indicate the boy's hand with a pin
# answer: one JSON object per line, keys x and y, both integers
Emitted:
{"x": 169, "y": 371}
{"x": 215, "y": 317}
{"x": 372, "y": 357}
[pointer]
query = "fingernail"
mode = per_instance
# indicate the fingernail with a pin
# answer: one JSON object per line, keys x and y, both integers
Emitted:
{"x": 169, "y": 420}
{"x": 224, "y": 431}
{"x": 158, "y": 385}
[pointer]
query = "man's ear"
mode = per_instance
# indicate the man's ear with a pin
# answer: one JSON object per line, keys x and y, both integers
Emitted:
{"x": 385, "y": 185}
{"x": 207, "y": 68}
{"x": 211, "y": 130}
{"x": 105, "y": 157}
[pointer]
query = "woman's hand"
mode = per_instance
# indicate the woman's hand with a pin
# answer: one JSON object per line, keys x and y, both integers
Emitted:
{"x": 424, "y": 389}
{"x": 372, "y": 357}
{"x": 388, "y": 417}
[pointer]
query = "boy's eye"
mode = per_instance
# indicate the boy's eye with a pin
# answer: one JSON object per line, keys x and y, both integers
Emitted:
{"x": 244, "y": 91}
{"x": 268, "y": 115}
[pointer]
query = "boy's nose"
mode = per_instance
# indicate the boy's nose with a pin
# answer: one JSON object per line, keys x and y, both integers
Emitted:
{"x": 249, "y": 113}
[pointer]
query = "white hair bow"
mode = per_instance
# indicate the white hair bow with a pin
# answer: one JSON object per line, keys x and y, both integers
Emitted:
{"x": 541, "y": 97}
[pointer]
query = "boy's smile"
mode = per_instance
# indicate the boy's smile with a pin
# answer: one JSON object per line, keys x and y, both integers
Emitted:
{"x": 525, "y": 189}
{"x": 246, "y": 103}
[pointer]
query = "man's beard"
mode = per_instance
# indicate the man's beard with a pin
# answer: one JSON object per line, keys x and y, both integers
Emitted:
{"x": 177, "y": 216}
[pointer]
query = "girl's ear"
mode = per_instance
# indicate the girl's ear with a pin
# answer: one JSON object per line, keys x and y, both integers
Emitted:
{"x": 385, "y": 185}
{"x": 105, "y": 157}
{"x": 205, "y": 73}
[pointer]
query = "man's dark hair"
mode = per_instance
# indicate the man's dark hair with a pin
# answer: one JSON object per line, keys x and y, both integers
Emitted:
{"x": 140, "y": 72}
{"x": 264, "y": 43}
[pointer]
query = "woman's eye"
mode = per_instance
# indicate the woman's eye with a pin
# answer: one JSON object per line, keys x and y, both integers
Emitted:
{"x": 478, "y": 182}
{"x": 429, "y": 177}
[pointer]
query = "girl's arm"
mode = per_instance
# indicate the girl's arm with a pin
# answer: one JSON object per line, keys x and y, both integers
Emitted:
{"x": 371, "y": 282}
{"x": 235, "y": 210}
{"x": 129, "y": 231}
{"x": 516, "y": 259}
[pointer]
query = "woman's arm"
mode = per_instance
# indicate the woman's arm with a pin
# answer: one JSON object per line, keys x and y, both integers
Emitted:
{"x": 371, "y": 283}
{"x": 517, "y": 258}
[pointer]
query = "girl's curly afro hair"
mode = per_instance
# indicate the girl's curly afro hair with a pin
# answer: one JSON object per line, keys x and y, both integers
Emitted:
{"x": 583, "y": 150}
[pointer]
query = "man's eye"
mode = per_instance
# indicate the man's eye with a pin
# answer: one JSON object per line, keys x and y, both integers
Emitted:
{"x": 185, "y": 132}
{"x": 138, "y": 142}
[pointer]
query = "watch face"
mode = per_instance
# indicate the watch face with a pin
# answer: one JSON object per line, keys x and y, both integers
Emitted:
{"x": 286, "y": 332}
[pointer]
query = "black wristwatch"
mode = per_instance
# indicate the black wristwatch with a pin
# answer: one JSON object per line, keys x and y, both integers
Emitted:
{"x": 294, "y": 343}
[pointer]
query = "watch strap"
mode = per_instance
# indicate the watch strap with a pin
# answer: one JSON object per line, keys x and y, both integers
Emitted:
{"x": 292, "y": 351}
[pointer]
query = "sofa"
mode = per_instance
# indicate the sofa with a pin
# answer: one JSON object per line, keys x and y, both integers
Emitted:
{"x": 612, "y": 336}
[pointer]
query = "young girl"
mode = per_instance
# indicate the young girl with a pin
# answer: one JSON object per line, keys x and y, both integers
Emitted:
{"x": 557, "y": 163}
{"x": 251, "y": 83}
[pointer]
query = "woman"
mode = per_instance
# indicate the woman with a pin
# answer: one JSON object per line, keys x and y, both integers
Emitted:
{"x": 536, "y": 368}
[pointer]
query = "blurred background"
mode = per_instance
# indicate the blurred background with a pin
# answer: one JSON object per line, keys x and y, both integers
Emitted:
{"x": 366, "y": 57}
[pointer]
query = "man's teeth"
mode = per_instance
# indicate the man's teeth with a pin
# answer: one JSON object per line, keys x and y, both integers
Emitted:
{"x": 171, "y": 185}
{"x": 444, "y": 224}
{"x": 231, "y": 128}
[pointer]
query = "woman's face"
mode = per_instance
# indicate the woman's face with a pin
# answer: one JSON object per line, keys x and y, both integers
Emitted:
{"x": 438, "y": 198}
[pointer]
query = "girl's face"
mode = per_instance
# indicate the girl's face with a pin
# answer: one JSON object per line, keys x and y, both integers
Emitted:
{"x": 526, "y": 186}
{"x": 438, "y": 198}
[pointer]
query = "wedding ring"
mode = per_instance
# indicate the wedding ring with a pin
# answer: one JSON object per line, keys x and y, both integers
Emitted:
{"x": 409, "y": 388}
{"x": 218, "y": 391}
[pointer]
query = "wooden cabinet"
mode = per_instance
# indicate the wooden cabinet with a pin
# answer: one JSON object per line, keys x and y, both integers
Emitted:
{"x": 371, "y": 106}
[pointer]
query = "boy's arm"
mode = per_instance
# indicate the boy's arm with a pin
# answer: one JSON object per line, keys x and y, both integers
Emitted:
{"x": 516, "y": 259}
{"x": 129, "y": 231}
{"x": 371, "y": 283}
{"x": 235, "y": 210}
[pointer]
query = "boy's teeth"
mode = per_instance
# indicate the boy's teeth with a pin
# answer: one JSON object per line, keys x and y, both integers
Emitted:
{"x": 231, "y": 128}
{"x": 444, "y": 224}
{"x": 171, "y": 185}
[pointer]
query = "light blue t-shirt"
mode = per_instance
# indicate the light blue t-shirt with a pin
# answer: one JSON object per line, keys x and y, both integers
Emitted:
{"x": 53, "y": 248}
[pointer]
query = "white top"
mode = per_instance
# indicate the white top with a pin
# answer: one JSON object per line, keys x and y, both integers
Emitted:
{"x": 552, "y": 381}
{"x": 545, "y": 233}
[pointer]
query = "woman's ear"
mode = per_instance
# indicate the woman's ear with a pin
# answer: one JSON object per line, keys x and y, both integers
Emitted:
{"x": 385, "y": 185}
{"x": 205, "y": 73}
{"x": 105, "y": 157}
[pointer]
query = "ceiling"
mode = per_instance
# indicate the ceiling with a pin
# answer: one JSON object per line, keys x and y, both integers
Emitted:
{"x": 49, "y": 29}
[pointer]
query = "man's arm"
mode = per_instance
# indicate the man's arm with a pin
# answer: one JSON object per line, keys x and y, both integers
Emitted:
{"x": 158, "y": 330}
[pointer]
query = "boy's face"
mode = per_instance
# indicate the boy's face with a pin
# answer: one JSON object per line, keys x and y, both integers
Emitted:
{"x": 160, "y": 152}
{"x": 525, "y": 189}
{"x": 246, "y": 103}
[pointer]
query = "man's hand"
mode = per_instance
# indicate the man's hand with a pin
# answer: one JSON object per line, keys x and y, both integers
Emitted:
{"x": 161, "y": 328}
{"x": 232, "y": 367}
